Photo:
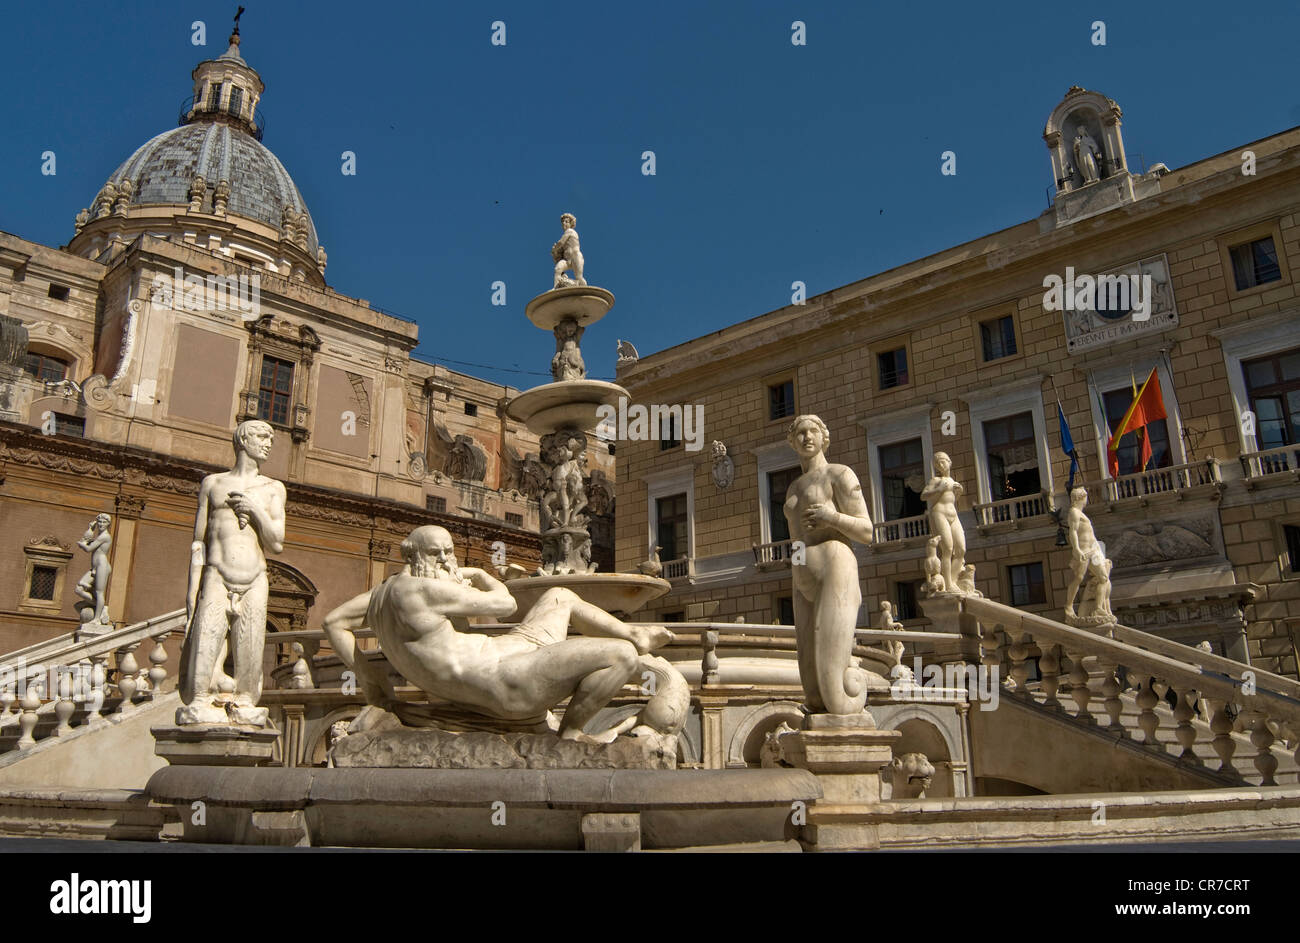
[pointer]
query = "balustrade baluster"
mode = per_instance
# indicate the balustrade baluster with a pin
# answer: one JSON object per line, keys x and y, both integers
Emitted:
{"x": 1185, "y": 732}
{"x": 126, "y": 669}
{"x": 1148, "y": 719}
{"x": 709, "y": 666}
{"x": 7, "y": 698}
{"x": 1019, "y": 652}
{"x": 1110, "y": 688}
{"x": 27, "y": 721}
{"x": 1080, "y": 693}
{"x": 1223, "y": 743}
{"x": 1049, "y": 667}
{"x": 96, "y": 689}
{"x": 1261, "y": 736}
{"x": 158, "y": 659}
{"x": 65, "y": 707}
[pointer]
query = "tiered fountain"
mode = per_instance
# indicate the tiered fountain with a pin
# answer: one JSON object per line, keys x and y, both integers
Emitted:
{"x": 561, "y": 413}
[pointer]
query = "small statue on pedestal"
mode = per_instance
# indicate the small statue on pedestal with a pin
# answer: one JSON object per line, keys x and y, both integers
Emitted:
{"x": 568, "y": 255}
{"x": 92, "y": 589}
{"x": 1086, "y": 557}
{"x": 941, "y": 493}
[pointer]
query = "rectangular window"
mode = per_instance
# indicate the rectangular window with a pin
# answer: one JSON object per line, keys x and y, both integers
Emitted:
{"x": 1130, "y": 450}
{"x": 516, "y": 519}
{"x": 46, "y": 368}
{"x": 1292, "y": 547}
{"x": 892, "y": 367}
{"x": 785, "y": 610}
{"x": 1255, "y": 263}
{"x": 780, "y": 400}
{"x": 669, "y": 433}
{"x": 905, "y": 606}
{"x": 679, "y": 616}
{"x": 998, "y": 337}
{"x": 435, "y": 503}
{"x": 673, "y": 527}
{"x": 777, "y": 485}
{"x": 58, "y": 292}
{"x": 1273, "y": 386}
{"x": 275, "y": 390}
{"x": 214, "y": 96}
{"x": 1027, "y": 588}
{"x": 471, "y": 409}
{"x": 43, "y": 582}
{"x": 236, "y": 100}
{"x": 902, "y": 478}
{"x": 1013, "y": 456}
{"x": 69, "y": 425}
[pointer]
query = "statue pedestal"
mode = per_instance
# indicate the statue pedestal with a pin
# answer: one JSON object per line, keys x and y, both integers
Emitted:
{"x": 846, "y": 752}
{"x": 432, "y": 748}
{"x": 214, "y": 744}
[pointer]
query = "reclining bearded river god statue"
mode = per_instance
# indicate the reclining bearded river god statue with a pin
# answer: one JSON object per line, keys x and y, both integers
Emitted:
{"x": 504, "y": 684}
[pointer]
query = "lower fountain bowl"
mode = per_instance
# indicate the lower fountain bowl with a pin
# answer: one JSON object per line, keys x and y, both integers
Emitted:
{"x": 613, "y": 592}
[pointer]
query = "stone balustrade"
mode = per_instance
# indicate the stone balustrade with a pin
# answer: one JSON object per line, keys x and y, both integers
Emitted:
{"x": 1177, "y": 481}
{"x": 903, "y": 528}
{"x": 64, "y": 684}
{"x": 1280, "y": 463}
{"x": 677, "y": 569}
{"x": 1225, "y": 695}
{"x": 1017, "y": 510}
{"x": 772, "y": 555}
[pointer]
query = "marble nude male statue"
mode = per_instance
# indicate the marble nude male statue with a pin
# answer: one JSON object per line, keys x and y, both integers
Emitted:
{"x": 567, "y": 254}
{"x": 1086, "y": 556}
{"x": 420, "y": 618}
{"x": 240, "y": 518}
{"x": 825, "y": 510}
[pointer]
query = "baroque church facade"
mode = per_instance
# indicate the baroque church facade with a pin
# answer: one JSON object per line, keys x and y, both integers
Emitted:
{"x": 192, "y": 296}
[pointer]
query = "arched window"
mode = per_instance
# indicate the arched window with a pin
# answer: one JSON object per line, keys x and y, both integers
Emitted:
{"x": 46, "y": 367}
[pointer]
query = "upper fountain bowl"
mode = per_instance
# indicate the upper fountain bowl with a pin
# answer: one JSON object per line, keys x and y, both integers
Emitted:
{"x": 586, "y": 304}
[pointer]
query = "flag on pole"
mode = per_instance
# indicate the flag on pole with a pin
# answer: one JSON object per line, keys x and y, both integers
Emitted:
{"x": 1067, "y": 446}
{"x": 1147, "y": 407}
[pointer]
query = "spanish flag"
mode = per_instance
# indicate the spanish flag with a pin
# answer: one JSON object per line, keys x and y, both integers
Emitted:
{"x": 1147, "y": 407}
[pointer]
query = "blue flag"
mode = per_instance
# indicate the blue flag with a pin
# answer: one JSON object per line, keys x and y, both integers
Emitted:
{"x": 1067, "y": 446}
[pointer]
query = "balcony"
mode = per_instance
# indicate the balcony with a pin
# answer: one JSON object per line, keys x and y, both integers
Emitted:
{"x": 772, "y": 555}
{"x": 683, "y": 568}
{"x": 903, "y": 528}
{"x": 1015, "y": 511}
{"x": 1175, "y": 481}
{"x": 1272, "y": 466}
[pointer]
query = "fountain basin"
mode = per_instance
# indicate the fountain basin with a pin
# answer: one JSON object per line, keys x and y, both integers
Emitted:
{"x": 586, "y": 304}
{"x": 566, "y": 404}
{"x": 613, "y": 592}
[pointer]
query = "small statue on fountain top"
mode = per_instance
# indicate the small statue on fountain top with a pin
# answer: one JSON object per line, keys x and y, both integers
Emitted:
{"x": 568, "y": 255}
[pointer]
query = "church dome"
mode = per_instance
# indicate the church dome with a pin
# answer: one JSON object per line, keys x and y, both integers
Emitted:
{"x": 163, "y": 170}
{"x": 209, "y": 183}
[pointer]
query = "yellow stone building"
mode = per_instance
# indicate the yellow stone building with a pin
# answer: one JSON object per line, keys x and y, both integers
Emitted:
{"x": 961, "y": 352}
{"x": 192, "y": 296}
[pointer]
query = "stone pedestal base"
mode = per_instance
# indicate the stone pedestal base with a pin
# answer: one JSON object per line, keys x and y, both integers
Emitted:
{"x": 432, "y": 748}
{"x": 845, "y": 751}
{"x": 214, "y": 744}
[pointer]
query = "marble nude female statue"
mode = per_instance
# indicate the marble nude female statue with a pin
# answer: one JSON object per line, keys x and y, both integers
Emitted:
{"x": 941, "y": 493}
{"x": 94, "y": 585}
{"x": 826, "y": 512}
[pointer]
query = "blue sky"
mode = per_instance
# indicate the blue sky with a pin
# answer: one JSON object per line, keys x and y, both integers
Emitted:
{"x": 774, "y": 162}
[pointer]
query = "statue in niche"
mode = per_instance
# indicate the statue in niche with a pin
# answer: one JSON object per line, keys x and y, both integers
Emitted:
{"x": 941, "y": 494}
{"x": 1087, "y": 557}
{"x": 1087, "y": 156}
{"x": 92, "y": 589}
{"x": 568, "y": 255}
{"x": 240, "y": 519}
{"x": 420, "y": 617}
{"x": 825, "y": 510}
{"x": 567, "y": 364}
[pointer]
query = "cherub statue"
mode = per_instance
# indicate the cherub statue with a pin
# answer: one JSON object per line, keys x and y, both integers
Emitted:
{"x": 567, "y": 364}
{"x": 568, "y": 255}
